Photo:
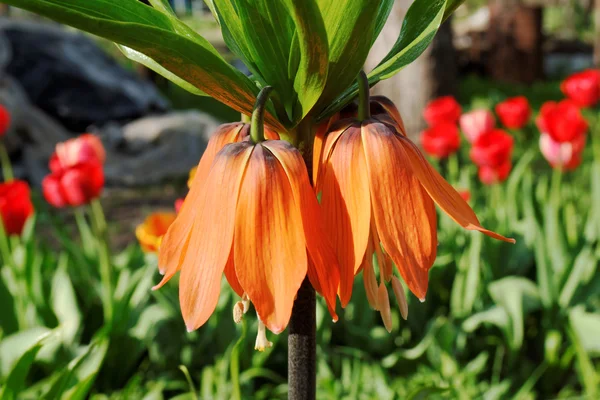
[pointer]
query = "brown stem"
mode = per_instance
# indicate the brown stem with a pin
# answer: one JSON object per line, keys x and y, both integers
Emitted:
{"x": 302, "y": 345}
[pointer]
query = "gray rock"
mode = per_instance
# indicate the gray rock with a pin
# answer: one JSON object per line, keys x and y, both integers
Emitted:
{"x": 66, "y": 74}
{"x": 154, "y": 149}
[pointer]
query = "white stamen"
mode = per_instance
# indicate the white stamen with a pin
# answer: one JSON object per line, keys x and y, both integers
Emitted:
{"x": 261, "y": 338}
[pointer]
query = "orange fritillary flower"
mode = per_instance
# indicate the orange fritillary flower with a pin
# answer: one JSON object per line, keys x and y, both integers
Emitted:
{"x": 255, "y": 218}
{"x": 151, "y": 231}
{"x": 378, "y": 194}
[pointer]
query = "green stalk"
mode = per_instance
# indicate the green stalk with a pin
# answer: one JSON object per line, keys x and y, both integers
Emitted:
{"x": 257, "y": 127}
{"x": 245, "y": 119}
{"x": 557, "y": 174}
{"x": 5, "y": 162}
{"x": 100, "y": 229}
{"x": 364, "y": 108}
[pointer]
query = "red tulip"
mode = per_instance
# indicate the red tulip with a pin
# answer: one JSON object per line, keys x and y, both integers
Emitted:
{"x": 4, "y": 120}
{"x": 441, "y": 140}
{"x": 566, "y": 155}
{"x": 491, "y": 175}
{"x": 476, "y": 123}
{"x": 86, "y": 147}
{"x": 514, "y": 112}
{"x": 442, "y": 109}
{"x": 583, "y": 87}
{"x": 492, "y": 149}
{"x": 465, "y": 194}
{"x": 15, "y": 206}
{"x": 74, "y": 186}
{"x": 562, "y": 121}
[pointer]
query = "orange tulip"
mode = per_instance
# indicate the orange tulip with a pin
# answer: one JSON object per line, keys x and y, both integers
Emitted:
{"x": 152, "y": 230}
{"x": 255, "y": 218}
{"x": 378, "y": 194}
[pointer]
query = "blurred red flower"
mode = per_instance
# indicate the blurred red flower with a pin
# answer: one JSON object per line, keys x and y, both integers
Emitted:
{"x": 492, "y": 149}
{"x": 465, "y": 194}
{"x": 442, "y": 109}
{"x": 475, "y": 123}
{"x": 514, "y": 113}
{"x": 441, "y": 140}
{"x": 566, "y": 155}
{"x": 562, "y": 121}
{"x": 75, "y": 185}
{"x": 15, "y": 206}
{"x": 84, "y": 148}
{"x": 490, "y": 175}
{"x": 4, "y": 120}
{"x": 583, "y": 87}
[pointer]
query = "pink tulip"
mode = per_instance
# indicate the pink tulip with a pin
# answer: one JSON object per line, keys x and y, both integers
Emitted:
{"x": 565, "y": 155}
{"x": 475, "y": 123}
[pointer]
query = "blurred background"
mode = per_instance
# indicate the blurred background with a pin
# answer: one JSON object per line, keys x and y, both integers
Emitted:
{"x": 500, "y": 321}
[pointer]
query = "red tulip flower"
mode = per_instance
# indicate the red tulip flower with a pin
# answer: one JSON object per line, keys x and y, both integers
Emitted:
{"x": 476, "y": 123}
{"x": 583, "y": 87}
{"x": 562, "y": 121}
{"x": 82, "y": 149}
{"x": 442, "y": 109}
{"x": 492, "y": 149}
{"x": 491, "y": 175}
{"x": 15, "y": 206}
{"x": 566, "y": 155}
{"x": 4, "y": 120}
{"x": 441, "y": 140}
{"x": 74, "y": 186}
{"x": 514, "y": 113}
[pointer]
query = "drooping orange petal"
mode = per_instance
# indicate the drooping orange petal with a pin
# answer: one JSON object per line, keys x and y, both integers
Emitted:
{"x": 318, "y": 245}
{"x": 231, "y": 276}
{"x": 370, "y": 280}
{"x": 174, "y": 243}
{"x": 313, "y": 275}
{"x": 269, "y": 247}
{"x": 404, "y": 213}
{"x": 346, "y": 206}
{"x": 335, "y": 132}
{"x": 392, "y": 111}
{"x": 322, "y": 130}
{"x": 446, "y": 197}
{"x": 384, "y": 306}
{"x": 212, "y": 235}
{"x": 400, "y": 297}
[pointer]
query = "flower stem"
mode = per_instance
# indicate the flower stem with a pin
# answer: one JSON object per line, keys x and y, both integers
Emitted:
{"x": 364, "y": 108}
{"x": 99, "y": 225}
{"x": 257, "y": 127}
{"x": 302, "y": 345}
{"x": 5, "y": 162}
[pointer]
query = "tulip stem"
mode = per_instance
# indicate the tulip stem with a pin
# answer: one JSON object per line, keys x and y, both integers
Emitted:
{"x": 5, "y": 162}
{"x": 364, "y": 108}
{"x": 99, "y": 224}
{"x": 257, "y": 127}
{"x": 302, "y": 345}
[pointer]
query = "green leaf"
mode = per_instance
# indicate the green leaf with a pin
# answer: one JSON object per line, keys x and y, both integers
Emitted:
{"x": 64, "y": 302}
{"x": 420, "y": 25}
{"x": 583, "y": 270}
{"x": 586, "y": 326}
{"x": 171, "y": 44}
{"x": 382, "y": 15}
{"x": 351, "y": 26}
{"x": 14, "y": 346}
{"x": 451, "y": 6}
{"x": 26, "y": 346}
{"x": 588, "y": 376}
{"x": 517, "y": 296}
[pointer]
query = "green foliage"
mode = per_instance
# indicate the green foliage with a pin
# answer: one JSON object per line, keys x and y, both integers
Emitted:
{"x": 309, "y": 51}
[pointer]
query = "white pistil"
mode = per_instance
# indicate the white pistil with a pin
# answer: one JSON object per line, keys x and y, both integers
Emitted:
{"x": 261, "y": 338}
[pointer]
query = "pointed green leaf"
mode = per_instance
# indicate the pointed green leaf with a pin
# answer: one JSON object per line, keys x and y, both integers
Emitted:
{"x": 351, "y": 26}
{"x": 171, "y": 44}
{"x": 420, "y": 25}
{"x": 64, "y": 302}
{"x": 382, "y": 15}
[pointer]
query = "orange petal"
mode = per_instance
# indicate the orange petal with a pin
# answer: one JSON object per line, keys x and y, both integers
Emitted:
{"x": 400, "y": 297}
{"x": 370, "y": 280}
{"x": 446, "y": 197}
{"x": 384, "y": 307}
{"x": 322, "y": 130}
{"x": 171, "y": 253}
{"x": 346, "y": 206}
{"x": 212, "y": 235}
{"x": 404, "y": 213}
{"x": 231, "y": 276}
{"x": 315, "y": 276}
{"x": 331, "y": 138}
{"x": 390, "y": 108}
{"x": 269, "y": 247}
{"x": 321, "y": 252}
